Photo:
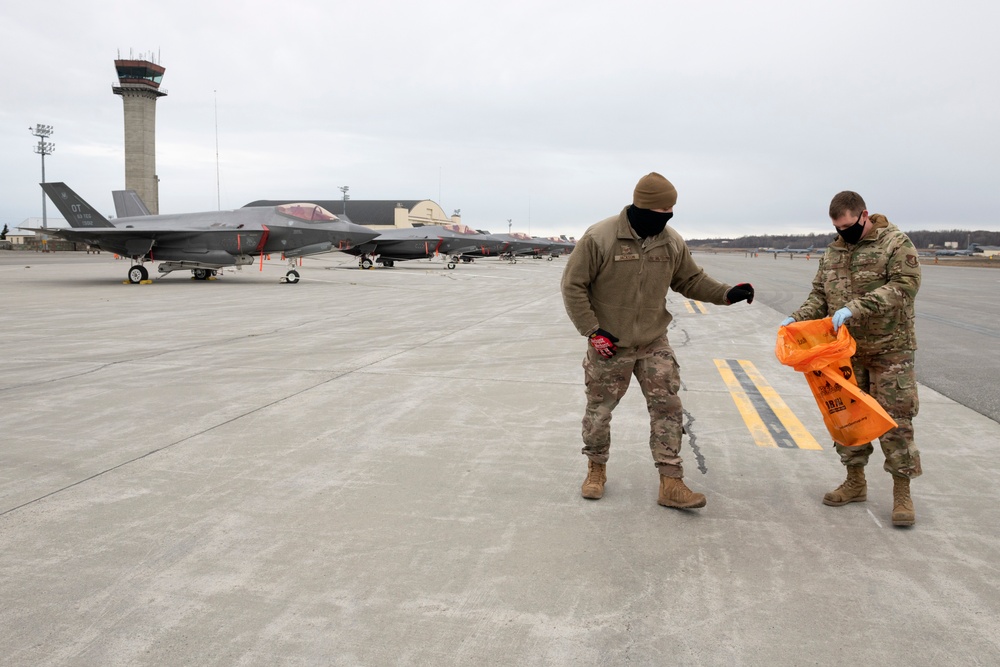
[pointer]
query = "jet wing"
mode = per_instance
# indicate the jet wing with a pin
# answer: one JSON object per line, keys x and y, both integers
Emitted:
{"x": 94, "y": 234}
{"x": 138, "y": 242}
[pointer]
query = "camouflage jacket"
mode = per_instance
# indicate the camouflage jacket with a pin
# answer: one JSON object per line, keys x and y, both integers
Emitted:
{"x": 877, "y": 280}
{"x": 615, "y": 281}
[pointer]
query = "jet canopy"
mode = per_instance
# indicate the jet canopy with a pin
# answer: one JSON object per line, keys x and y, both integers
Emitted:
{"x": 307, "y": 212}
{"x": 460, "y": 229}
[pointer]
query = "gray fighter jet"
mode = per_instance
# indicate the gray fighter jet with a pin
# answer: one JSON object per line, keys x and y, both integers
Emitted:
{"x": 203, "y": 242}
{"x": 520, "y": 244}
{"x": 396, "y": 245}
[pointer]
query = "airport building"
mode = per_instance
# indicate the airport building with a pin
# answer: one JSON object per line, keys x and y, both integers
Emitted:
{"x": 379, "y": 214}
{"x": 139, "y": 87}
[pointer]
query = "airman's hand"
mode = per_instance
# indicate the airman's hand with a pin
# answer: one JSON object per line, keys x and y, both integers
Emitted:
{"x": 840, "y": 317}
{"x": 743, "y": 291}
{"x": 604, "y": 343}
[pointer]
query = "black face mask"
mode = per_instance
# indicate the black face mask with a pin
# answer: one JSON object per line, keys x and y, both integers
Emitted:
{"x": 646, "y": 222}
{"x": 853, "y": 233}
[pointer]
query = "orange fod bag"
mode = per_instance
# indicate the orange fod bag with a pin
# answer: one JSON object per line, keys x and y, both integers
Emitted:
{"x": 852, "y": 416}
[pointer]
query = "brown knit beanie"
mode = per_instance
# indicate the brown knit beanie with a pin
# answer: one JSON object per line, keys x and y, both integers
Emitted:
{"x": 654, "y": 191}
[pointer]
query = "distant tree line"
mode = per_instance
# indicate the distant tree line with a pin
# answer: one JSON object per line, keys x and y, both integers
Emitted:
{"x": 921, "y": 239}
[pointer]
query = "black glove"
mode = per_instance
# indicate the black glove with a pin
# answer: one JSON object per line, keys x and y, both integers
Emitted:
{"x": 604, "y": 343}
{"x": 741, "y": 292}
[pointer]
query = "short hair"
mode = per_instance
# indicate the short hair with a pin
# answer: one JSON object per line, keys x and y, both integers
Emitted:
{"x": 846, "y": 202}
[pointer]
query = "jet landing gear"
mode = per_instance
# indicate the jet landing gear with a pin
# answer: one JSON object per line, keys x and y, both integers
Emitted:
{"x": 292, "y": 276}
{"x": 368, "y": 262}
{"x": 137, "y": 273}
{"x": 202, "y": 274}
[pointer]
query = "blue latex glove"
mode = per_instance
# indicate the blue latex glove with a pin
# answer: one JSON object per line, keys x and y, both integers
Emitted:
{"x": 840, "y": 317}
{"x": 785, "y": 322}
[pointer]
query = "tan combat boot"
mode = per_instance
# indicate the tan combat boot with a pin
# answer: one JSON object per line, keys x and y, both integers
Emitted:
{"x": 593, "y": 486}
{"x": 674, "y": 493}
{"x": 853, "y": 490}
{"x": 902, "y": 504}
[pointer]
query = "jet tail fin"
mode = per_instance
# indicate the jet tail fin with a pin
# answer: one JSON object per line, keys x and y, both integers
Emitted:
{"x": 128, "y": 204}
{"x": 77, "y": 212}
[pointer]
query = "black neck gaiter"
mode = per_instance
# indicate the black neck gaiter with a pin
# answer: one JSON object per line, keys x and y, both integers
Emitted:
{"x": 645, "y": 222}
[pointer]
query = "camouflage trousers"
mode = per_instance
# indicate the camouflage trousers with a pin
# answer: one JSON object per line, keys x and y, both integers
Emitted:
{"x": 890, "y": 378}
{"x": 606, "y": 380}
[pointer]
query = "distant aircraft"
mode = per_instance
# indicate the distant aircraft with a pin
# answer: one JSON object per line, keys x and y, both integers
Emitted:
{"x": 973, "y": 249}
{"x": 520, "y": 244}
{"x": 401, "y": 244}
{"x": 202, "y": 242}
{"x": 790, "y": 250}
{"x": 560, "y": 246}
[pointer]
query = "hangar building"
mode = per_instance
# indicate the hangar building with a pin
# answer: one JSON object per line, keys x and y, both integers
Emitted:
{"x": 379, "y": 214}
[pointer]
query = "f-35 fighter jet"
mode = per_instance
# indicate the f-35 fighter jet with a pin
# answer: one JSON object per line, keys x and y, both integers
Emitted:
{"x": 204, "y": 242}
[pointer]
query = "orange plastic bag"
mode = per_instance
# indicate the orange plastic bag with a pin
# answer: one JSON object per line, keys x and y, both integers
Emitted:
{"x": 851, "y": 416}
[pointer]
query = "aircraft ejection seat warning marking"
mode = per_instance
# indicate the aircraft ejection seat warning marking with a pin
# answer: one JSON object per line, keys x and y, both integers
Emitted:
{"x": 691, "y": 304}
{"x": 771, "y": 422}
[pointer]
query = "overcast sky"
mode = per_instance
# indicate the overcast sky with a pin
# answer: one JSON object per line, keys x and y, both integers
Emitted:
{"x": 546, "y": 113}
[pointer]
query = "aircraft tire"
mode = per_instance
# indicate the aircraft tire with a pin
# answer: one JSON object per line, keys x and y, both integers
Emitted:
{"x": 137, "y": 274}
{"x": 366, "y": 263}
{"x": 292, "y": 276}
{"x": 387, "y": 263}
{"x": 199, "y": 274}
{"x": 451, "y": 265}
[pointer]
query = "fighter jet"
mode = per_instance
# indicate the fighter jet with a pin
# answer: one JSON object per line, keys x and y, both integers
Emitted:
{"x": 397, "y": 245}
{"x": 203, "y": 242}
{"x": 520, "y": 244}
{"x": 560, "y": 246}
{"x": 487, "y": 245}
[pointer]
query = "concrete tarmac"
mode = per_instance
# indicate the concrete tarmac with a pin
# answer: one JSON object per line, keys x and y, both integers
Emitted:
{"x": 383, "y": 468}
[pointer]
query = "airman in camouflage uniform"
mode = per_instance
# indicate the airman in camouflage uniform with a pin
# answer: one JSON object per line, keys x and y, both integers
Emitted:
{"x": 614, "y": 287}
{"x": 867, "y": 280}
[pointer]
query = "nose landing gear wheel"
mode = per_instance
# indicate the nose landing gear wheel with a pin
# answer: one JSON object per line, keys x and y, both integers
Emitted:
{"x": 366, "y": 263}
{"x": 137, "y": 274}
{"x": 451, "y": 265}
{"x": 292, "y": 276}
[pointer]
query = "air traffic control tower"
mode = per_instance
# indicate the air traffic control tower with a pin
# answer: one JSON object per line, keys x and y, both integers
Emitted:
{"x": 139, "y": 86}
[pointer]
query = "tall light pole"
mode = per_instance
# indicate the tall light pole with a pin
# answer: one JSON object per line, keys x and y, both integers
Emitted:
{"x": 344, "y": 189}
{"x": 509, "y": 223}
{"x": 43, "y": 148}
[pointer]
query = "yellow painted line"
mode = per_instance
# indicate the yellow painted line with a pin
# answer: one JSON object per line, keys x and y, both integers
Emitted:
{"x": 803, "y": 438}
{"x": 690, "y": 308}
{"x": 701, "y": 307}
{"x": 758, "y": 430}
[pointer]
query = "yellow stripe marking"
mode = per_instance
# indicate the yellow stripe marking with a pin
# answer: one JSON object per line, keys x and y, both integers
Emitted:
{"x": 799, "y": 433}
{"x": 690, "y": 308}
{"x": 753, "y": 421}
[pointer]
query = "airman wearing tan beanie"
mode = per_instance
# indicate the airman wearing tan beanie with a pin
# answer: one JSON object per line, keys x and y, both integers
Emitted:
{"x": 653, "y": 191}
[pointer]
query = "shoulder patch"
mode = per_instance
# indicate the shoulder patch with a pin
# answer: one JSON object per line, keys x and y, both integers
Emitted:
{"x": 912, "y": 261}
